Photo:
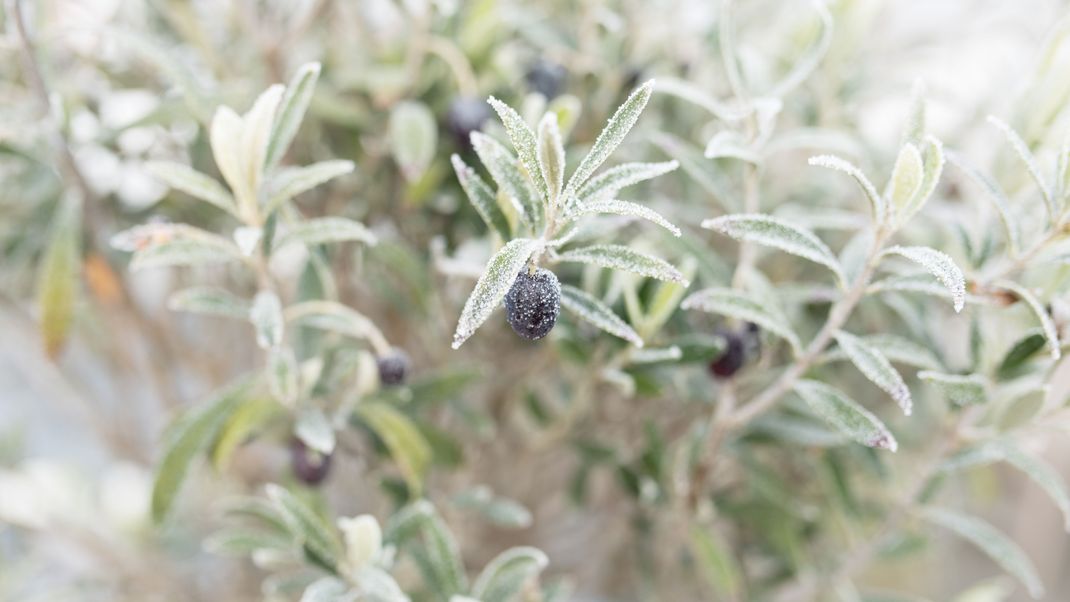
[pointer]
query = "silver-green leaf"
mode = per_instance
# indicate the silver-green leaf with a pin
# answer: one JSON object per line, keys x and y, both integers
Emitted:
{"x": 597, "y": 313}
{"x": 876, "y": 201}
{"x": 505, "y": 577}
{"x": 323, "y": 230}
{"x": 779, "y": 234}
{"x": 290, "y": 182}
{"x": 618, "y": 207}
{"x": 620, "y": 257}
{"x": 872, "y": 363}
{"x": 497, "y": 278}
{"x": 506, "y": 172}
{"x": 413, "y": 138}
{"x": 938, "y": 264}
{"x": 608, "y": 183}
{"x": 291, "y": 111}
{"x": 962, "y": 389}
{"x": 1047, "y": 325}
{"x": 193, "y": 183}
{"x": 482, "y": 198}
{"x": 740, "y": 305}
{"x": 846, "y": 415}
{"x": 209, "y": 301}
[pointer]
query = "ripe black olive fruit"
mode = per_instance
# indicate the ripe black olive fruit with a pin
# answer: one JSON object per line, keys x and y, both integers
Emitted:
{"x": 546, "y": 78}
{"x": 393, "y": 367}
{"x": 741, "y": 347}
{"x": 533, "y": 302}
{"x": 464, "y": 116}
{"x": 309, "y": 466}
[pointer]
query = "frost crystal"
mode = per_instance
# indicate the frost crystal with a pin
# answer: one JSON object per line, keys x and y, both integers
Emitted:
{"x": 620, "y": 257}
{"x": 940, "y": 265}
{"x": 596, "y": 312}
{"x": 876, "y": 368}
{"x": 627, "y": 208}
{"x": 777, "y": 233}
{"x": 877, "y": 202}
{"x": 533, "y": 303}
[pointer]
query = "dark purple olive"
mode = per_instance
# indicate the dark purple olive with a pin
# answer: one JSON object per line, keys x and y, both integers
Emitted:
{"x": 309, "y": 466}
{"x": 546, "y": 78}
{"x": 734, "y": 355}
{"x": 533, "y": 303}
{"x": 464, "y": 116}
{"x": 393, "y": 368}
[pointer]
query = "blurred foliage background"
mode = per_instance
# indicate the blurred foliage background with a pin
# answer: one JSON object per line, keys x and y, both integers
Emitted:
{"x": 596, "y": 447}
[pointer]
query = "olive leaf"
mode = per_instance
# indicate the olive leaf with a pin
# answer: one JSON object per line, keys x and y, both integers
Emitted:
{"x": 846, "y": 415}
{"x": 1022, "y": 149}
{"x": 481, "y": 197}
{"x": 551, "y": 157}
{"x": 506, "y": 576}
{"x": 406, "y": 444}
{"x": 266, "y": 318}
{"x": 618, "y": 207}
{"x": 497, "y": 278}
{"x": 524, "y": 142}
{"x": 597, "y": 313}
{"x": 997, "y": 545}
{"x": 962, "y": 389}
{"x": 193, "y": 251}
{"x": 608, "y": 183}
{"x": 291, "y": 111}
{"x": 323, "y": 230}
{"x": 413, "y": 138}
{"x": 292, "y": 181}
{"x": 57, "y": 279}
{"x": 620, "y": 257}
{"x": 872, "y": 363}
{"x": 505, "y": 170}
{"x": 209, "y": 301}
{"x": 876, "y": 201}
{"x": 740, "y": 305}
{"x": 779, "y": 234}
{"x": 938, "y": 264}
{"x": 611, "y": 136}
{"x": 1047, "y": 325}
{"x": 193, "y": 183}
{"x": 307, "y": 527}
{"x": 995, "y": 194}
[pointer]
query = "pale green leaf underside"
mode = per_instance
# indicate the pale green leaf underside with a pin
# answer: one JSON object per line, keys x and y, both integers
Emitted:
{"x": 608, "y": 183}
{"x": 482, "y": 197}
{"x": 779, "y": 234}
{"x": 997, "y": 545}
{"x": 940, "y": 265}
{"x": 846, "y": 415}
{"x": 739, "y": 305}
{"x": 597, "y": 313}
{"x": 506, "y": 172}
{"x": 1022, "y": 149}
{"x": 202, "y": 250}
{"x": 962, "y": 389}
{"x": 497, "y": 278}
{"x": 290, "y": 182}
{"x": 625, "y": 208}
{"x": 872, "y": 363}
{"x": 209, "y": 301}
{"x": 324, "y": 230}
{"x": 193, "y": 183}
{"x": 291, "y": 111}
{"x": 620, "y": 257}
{"x": 897, "y": 349}
{"x": 551, "y": 157}
{"x": 505, "y": 577}
{"x": 876, "y": 201}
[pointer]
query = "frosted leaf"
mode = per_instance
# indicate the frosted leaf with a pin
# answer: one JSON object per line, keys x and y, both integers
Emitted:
{"x": 620, "y": 257}
{"x": 499, "y": 510}
{"x": 256, "y": 133}
{"x": 907, "y": 176}
{"x": 1030, "y": 161}
{"x": 611, "y": 136}
{"x": 933, "y": 165}
{"x": 291, "y": 111}
{"x": 292, "y": 181}
{"x": 266, "y": 317}
{"x": 282, "y": 379}
{"x": 938, "y": 264}
{"x": 921, "y": 283}
{"x": 597, "y": 313}
{"x": 552, "y": 156}
{"x": 995, "y": 194}
{"x": 492, "y": 286}
{"x": 821, "y": 218}
{"x": 314, "y": 429}
{"x": 481, "y": 197}
{"x": 896, "y": 349}
{"x": 186, "y": 252}
{"x": 326, "y": 230}
{"x": 1047, "y": 325}
{"x": 777, "y": 233}
{"x": 507, "y": 576}
{"x": 193, "y": 183}
{"x": 993, "y": 543}
{"x": 872, "y": 363}
{"x": 846, "y": 415}
{"x": 962, "y": 389}
{"x": 1036, "y": 469}
{"x": 915, "y": 127}
{"x": 247, "y": 237}
{"x": 523, "y": 140}
{"x": 335, "y": 317}
{"x": 731, "y": 144}
{"x": 209, "y": 301}
{"x": 224, "y": 135}
{"x": 685, "y": 90}
{"x": 799, "y": 430}
{"x": 413, "y": 137}
{"x": 377, "y": 585}
{"x": 627, "y": 208}
{"x": 656, "y": 356}
{"x": 740, "y": 305}
{"x": 809, "y": 61}
{"x": 876, "y": 202}
{"x": 611, "y": 181}
{"x": 328, "y": 589}
{"x": 506, "y": 172}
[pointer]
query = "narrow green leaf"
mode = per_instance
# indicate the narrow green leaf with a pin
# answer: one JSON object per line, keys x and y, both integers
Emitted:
{"x": 961, "y": 389}
{"x": 504, "y": 578}
{"x": 597, "y": 313}
{"x": 618, "y": 207}
{"x": 336, "y": 317}
{"x": 266, "y": 318}
{"x": 324, "y": 230}
{"x": 281, "y": 373}
{"x": 209, "y": 301}
{"x": 607, "y": 184}
{"x": 193, "y": 183}
{"x": 252, "y": 413}
{"x": 998, "y": 547}
{"x": 907, "y": 176}
{"x": 203, "y": 250}
{"x": 413, "y": 138}
{"x": 779, "y": 234}
{"x": 497, "y": 278}
{"x": 995, "y": 194}
{"x": 291, "y": 112}
{"x": 1022, "y": 149}
{"x": 740, "y": 305}
{"x": 717, "y": 564}
{"x": 620, "y": 257}
{"x": 407, "y": 446}
{"x": 482, "y": 198}
{"x": 525, "y": 144}
{"x": 499, "y": 510}
{"x": 938, "y": 264}
{"x": 611, "y": 136}
{"x": 57, "y": 278}
{"x": 292, "y": 181}
{"x": 552, "y": 157}
{"x": 1024, "y": 349}
{"x": 876, "y": 201}
{"x": 1047, "y": 325}
{"x": 898, "y": 350}
{"x": 872, "y": 363}
{"x": 190, "y": 436}
{"x": 846, "y": 415}
{"x": 307, "y": 526}
{"x": 506, "y": 172}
